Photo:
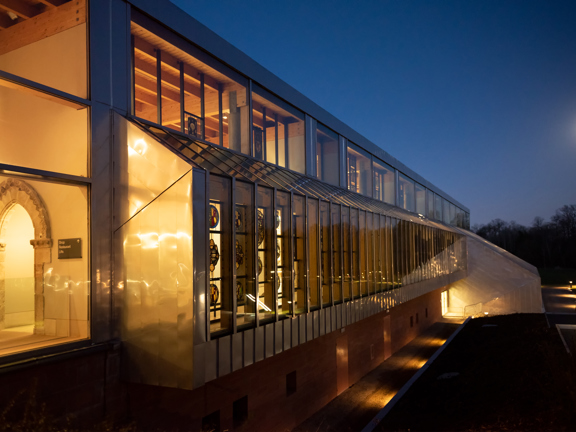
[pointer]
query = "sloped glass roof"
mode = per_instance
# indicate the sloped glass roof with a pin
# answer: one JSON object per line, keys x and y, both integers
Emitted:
{"x": 222, "y": 161}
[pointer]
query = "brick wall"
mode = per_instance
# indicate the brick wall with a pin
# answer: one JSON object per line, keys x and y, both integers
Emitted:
{"x": 264, "y": 383}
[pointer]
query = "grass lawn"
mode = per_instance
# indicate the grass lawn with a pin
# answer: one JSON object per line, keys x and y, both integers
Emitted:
{"x": 513, "y": 374}
{"x": 557, "y": 276}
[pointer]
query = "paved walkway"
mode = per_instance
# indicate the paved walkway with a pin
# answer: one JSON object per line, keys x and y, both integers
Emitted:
{"x": 355, "y": 407}
{"x": 560, "y": 304}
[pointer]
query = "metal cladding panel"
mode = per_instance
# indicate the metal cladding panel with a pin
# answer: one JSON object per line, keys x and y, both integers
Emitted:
{"x": 258, "y": 344}
{"x": 211, "y": 360}
{"x": 295, "y": 321}
{"x": 278, "y": 337}
{"x": 237, "y": 351}
{"x": 248, "y": 347}
{"x": 302, "y": 328}
{"x": 101, "y": 239}
{"x": 199, "y": 367}
{"x": 316, "y": 321}
{"x": 336, "y": 317}
{"x": 224, "y": 356}
{"x": 287, "y": 329}
{"x": 199, "y": 264}
{"x": 309, "y": 327}
{"x": 323, "y": 314}
{"x": 269, "y": 340}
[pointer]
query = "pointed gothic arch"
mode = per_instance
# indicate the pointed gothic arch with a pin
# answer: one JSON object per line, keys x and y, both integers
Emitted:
{"x": 12, "y": 192}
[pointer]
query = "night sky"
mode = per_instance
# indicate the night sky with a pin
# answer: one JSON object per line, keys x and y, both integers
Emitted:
{"x": 478, "y": 97}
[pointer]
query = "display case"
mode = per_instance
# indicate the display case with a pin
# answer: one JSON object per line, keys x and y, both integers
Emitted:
{"x": 267, "y": 254}
{"x": 245, "y": 288}
{"x": 326, "y": 278}
{"x": 220, "y": 266}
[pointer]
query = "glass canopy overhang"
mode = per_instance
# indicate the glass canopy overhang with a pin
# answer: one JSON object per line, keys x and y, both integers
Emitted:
{"x": 222, "y": 161}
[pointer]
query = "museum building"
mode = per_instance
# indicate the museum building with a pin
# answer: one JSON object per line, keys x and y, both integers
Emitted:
{"x": 185, "y": 237}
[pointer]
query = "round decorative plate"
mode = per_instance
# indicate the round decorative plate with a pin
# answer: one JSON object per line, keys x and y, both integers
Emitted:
{"x": 277, "y": 251}
{"x": 259, "y": 266}
{"x": 214, "y": 218}
{"x": 238, "y": 220}
{"x": 239, "y": 290}
{"x": 278, "y": 218}
{"x": 239, "y": 255}
{"x": 260, "y": 227}
{"x": 278, "y": 283}
{"x": 214, "y": 255}
{"x": 214, "y": 294}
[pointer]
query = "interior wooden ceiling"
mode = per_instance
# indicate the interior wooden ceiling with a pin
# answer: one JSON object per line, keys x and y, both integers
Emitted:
{"x": 13, "y": 12}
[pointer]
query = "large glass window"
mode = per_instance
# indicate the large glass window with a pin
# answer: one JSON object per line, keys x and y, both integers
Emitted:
{"x": 438, "y": 207}
{"x": 445, "y": 211}
{"x": 325, "y": 253}
{"x": 278, "y": 131}
{"x": 406, "y": 193}
{"x": 327, "y": 160}
{"x": 359, "y": 170}
{"x": 384, "y": 182}
{"x": 337, "y": 253}
{"x": 355, "y": 253}
{"x": 420, "y": 192}
{"x": 283, "y": 216}
{"x": 195, "y": 94}
{"x": 46, "y": 45}
{"x": 347, "y": 252}
{"x": 299, "y": 250}
{"x": 44, "y": 262}
{"x": 429, "y": 204}
{"x": 313, "y": 255}
{"x": 41, "y": 131}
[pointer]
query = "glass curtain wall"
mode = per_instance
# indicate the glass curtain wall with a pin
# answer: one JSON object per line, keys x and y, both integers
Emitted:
{"x": 384, "y": 182}
{"x": 326, "y": 258}
{"x": 268, "y": 284}
{"x": 406, "y": 197}
{"x": 359, "y": 170}
{"x": 284, "y": 261}
{"x": 327, "y": 155}
{"x": 429, "y": 204}
{"x": 420, "y": 193}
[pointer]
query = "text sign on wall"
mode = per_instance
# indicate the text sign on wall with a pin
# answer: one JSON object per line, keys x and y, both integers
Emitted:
{"x": 69, "y": 248}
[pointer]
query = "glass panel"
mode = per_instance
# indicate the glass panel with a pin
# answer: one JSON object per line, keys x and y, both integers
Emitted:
{"x": 284, "y": 261}
{"x": 325, "y": 253}
{"x": 370, "y": 241}
{"x": 420, "y": 199}
{"x": 452, "y": 214}
{"x": 244, "y": 251}
{"x": 267, "y": 254}
{"x": 280, "y": 129}
{"x": 49, "y": 48}
{"x": 377, "y": 253}
{"x": 406, "y": 193}
{"x": 445, "y": 211}
{"x": 355, "y": 253}
{"x": 363, "y": 254}
{"x": 44, "y": 259}
{"x": 437, "y": 207}
{"x": 299, "y": 250}
{"x": 359, "y": 170}
{"x": 220, "y": 288}
{"x": 42, "y": 132}
{"x": 313, "y": 257}
{"x": 215, "y": 98}
{"x": 396, "y": 251}
{"x": 347, "y": 251}
{"x": 327, "y": 160}
{"x": 429, "y": 204}
{"x": 384, "y": 187}
{"x": 337, "y": 253}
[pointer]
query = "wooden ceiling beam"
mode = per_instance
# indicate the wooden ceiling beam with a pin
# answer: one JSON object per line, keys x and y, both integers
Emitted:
{"x": 52, "y": 3}
{"x": 21, "y": 9}
{"x": 6, "y": 21}
{"x": 47, "y": 24}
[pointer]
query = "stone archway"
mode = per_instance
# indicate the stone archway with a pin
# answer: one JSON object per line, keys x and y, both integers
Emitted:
{"x": 12, "y": 192}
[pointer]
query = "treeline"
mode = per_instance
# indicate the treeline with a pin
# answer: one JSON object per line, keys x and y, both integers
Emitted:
{"x": 543, "y": 244}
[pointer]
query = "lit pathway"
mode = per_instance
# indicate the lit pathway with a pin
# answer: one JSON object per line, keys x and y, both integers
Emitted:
{"x": 560, "y": 304}
{"x": 355, "y": 407}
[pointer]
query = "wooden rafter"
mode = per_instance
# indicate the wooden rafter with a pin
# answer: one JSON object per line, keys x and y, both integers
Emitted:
{"x": 52, "y": 3}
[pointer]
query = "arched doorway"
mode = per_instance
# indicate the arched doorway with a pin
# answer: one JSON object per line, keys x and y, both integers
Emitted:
{"x": 17, "y": 231}
{"x": 14, "y": 192}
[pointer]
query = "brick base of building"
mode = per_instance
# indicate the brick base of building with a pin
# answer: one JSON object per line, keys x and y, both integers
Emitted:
{"x": 280, "y": 392}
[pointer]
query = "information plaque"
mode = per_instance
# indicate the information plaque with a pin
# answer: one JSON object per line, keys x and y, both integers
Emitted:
{"x": 69, "y": 248}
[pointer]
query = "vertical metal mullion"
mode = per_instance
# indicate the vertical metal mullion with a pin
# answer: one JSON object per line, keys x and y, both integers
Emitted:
{"x": 207, "y": 246}
{"x": 351, "y": 240}
{"x": 133, "y": 74}
{"x": 306, "y": 255}
{"x": 159, "y": 86}
{"x": 292, "y": 237}
{"x": 277, "y": 157}
{"x": 182, "y": 100}
{"x": 286, "y": 152}
{"x": 250, "y": 119}
{"x": 274, "y": 246}
{"x": 255, "y": 250}
{"x": 331, "y": 253}
{"x": 263, "y": 133}
{"x": 341, "y": 257}
{"x": 202, "y": 108}
{"x": 319, "y": 288}
{"x": 232, "y": 287}
{"x": 220, "y": 119}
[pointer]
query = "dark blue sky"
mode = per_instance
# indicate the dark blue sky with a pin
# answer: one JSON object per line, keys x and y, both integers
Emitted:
{"x": 479, "y": 97}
